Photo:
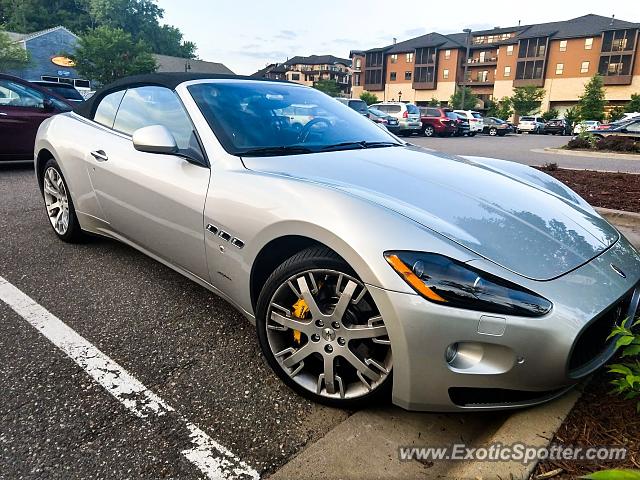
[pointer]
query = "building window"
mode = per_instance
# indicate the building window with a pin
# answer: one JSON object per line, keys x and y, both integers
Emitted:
{"x": 410, "y": 57}
{"x": 507, "y": 71}
{"x": 584, "y": 68}
{"x": 615, "y": 65}
{"x": 295, "y": 76}
{"x": 407, "y": 75}
{"x": 588, "y": 43}
{"x": 509, "y": 50}
{"x": 445, "y": 73}
{"x": 394, "y": 58}
{"x": 356, "y": 79}
{"x": 392, "y": 76}
{"x": 447, "y": 54}
{"x": 483, "y": 76}
{"x": 358, "y": 63}
{"x": 563, "y": 45}
{"x": 559, "y": 68}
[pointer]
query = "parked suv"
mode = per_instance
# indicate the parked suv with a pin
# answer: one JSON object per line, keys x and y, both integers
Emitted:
{"x": 557, "y": 125}
{"x": 531, "y": 125}
{"x": 408, "y": 115}
{"x": 358, "y": 105}
{"x": 438, "y": 121}
{"x": 476, "y": 123}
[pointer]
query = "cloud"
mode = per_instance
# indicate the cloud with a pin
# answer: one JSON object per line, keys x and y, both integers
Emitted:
{"x": 286, "y": 34}
{"x": 268, "y": 54}
{"x": 415, "y": 32}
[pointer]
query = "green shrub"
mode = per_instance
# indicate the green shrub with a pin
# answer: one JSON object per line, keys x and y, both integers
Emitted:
{"x": 578, "y": 143}
{"x": 627, "y": 372}
{"x": 617, "y": 143}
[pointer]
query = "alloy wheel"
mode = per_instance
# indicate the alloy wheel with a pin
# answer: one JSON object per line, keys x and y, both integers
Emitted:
{"x": 56, "y": 200}
{"x": 327, "y": 335}
{"x": 429, "y": 131}
{"x": 493, "y": 132}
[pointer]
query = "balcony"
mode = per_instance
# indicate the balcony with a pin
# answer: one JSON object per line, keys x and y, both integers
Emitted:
{"x": 475, "y": 82}
{"x": 617, "y": 79}
{"x": 524, "y": 82}
{"x": 477, "y": 62}
{"x": 425, "y": 85}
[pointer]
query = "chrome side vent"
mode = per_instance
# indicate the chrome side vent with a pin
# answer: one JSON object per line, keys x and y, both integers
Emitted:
{"x": 212, "y": 228}
{"x": 236, "y": 242}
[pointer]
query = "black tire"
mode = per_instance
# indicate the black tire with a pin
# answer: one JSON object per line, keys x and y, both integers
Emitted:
{"x": 472, "y": 134}
{"x": 309, "y": 259}
{"x": 429, "y": 131}
{"x": 493, "y": 131}
{"x": 74, "y": 233}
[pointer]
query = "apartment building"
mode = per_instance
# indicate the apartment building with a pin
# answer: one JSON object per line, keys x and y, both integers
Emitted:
{"x": 308, "y": 70}
{"x": 560, "y": 57}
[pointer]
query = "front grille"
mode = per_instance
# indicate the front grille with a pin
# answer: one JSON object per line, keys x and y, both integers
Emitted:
{"x": 486, "y": 397}
{"x": 591, "y": 349}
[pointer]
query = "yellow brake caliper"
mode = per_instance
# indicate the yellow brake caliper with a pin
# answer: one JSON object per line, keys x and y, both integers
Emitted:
{"x": 300, "y": 310}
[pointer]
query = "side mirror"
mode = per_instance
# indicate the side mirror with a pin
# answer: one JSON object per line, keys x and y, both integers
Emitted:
{"x": 47, "y": 105}
{"x": 154, "y": 139}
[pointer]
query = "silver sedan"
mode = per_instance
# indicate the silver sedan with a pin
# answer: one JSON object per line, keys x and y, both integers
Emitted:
{"x": 370, "y": 267}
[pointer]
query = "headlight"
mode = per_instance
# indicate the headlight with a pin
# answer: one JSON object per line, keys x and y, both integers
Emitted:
{"x": 442, "y": 280}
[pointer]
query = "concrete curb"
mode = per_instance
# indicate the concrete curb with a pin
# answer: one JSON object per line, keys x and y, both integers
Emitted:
{"x": 586, "y": 153}
{"x": 620, "y": 217}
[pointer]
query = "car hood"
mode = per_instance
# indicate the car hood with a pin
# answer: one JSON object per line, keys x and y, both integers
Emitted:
{"x": 520, "y": 224}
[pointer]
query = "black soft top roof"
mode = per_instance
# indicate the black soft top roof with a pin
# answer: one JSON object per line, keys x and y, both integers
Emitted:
{"x": 169, "y": 80}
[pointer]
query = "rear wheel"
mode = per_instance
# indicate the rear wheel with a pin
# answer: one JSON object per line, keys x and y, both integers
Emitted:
{"x": 493, "y": 131}
{"x": 472, "y": 134}
{"x": 57, "y": 200}
{"x": 321, "y": 331}
{"x": 429, "y": 131}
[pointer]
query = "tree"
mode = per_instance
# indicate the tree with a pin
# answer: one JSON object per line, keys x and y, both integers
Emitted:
{"x": 330, "y": 87}
{"x": 616, "y": 113}
{"x": 106, "y": 54}
{"x": 526, "y": 100}
{"x": 369, "y": 98}
{"x": 12, "y": 55}
{"x": 572, "y": 116}
{"x": 504, "y": 108}
{"x": 434, "y": 102}
{"x": 551, "y": 114}
{"x": 470, "y": 99}
{"x": 634, "y": 104}
{"x": 140, "y": 18}
{"x": 592, "y": 101}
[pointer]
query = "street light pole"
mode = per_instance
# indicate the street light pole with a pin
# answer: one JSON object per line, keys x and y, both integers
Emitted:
{"x": 400, "y": 96}
{"x": 466, "y": 64}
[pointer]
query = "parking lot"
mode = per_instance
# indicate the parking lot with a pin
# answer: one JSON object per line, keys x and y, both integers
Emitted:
{"x": 180, "y": 342}
{"x": 527, "y": 149}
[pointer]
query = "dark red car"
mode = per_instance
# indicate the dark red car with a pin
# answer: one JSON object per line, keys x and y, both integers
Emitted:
{"x": 23, "y": 107}
{"x": 437, "y": 121}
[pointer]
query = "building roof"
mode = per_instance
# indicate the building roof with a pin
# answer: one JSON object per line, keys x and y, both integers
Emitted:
{"x": 168, "y": 63}
{"x": 317, "y": 60}
{"x": 584, "y": 26}
{"x": 25, "y": 37}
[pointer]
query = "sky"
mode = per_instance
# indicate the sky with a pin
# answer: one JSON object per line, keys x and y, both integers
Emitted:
{"x": 246, "y": 35}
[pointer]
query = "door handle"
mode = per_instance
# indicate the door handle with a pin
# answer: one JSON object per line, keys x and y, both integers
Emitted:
{"x": 99, "y": 155}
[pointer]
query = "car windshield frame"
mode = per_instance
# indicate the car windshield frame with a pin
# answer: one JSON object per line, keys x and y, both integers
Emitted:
{"x": 255, "y": 118}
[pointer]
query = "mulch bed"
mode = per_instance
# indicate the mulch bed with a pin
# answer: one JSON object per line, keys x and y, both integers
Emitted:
{"x": 620, "y": 191}
{"x": 598, "y": 419}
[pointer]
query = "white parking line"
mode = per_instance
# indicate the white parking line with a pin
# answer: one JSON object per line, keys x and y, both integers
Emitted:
{"x": 211, "y": 458}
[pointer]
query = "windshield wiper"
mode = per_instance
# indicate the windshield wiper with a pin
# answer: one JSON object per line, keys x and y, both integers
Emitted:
{"x": 275, "y": 151}
{"x": 360, "y": 144}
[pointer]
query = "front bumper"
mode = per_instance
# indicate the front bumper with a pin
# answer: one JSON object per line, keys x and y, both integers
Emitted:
{"x": 513, "y": 361}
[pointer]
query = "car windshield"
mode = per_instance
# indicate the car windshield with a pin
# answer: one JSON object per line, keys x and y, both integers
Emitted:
{"x": 377, "y": 112}
{"x": 452, "y": 115}
{"x": 527, "y": 119}
{"x": 413, "y": 109}
{"x": 358, "y": 105}
{"x": 66, "y": 92}
{"x": 476, "y": 115}
{"x": 264, "y": 118}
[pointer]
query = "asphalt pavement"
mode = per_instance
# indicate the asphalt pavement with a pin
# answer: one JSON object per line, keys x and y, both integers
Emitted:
{"x": 189, "y": 347}
{"x": 526, "y": 149}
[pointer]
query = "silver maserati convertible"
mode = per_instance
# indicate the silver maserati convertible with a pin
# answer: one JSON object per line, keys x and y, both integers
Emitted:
{"x": 370, "y": 267}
